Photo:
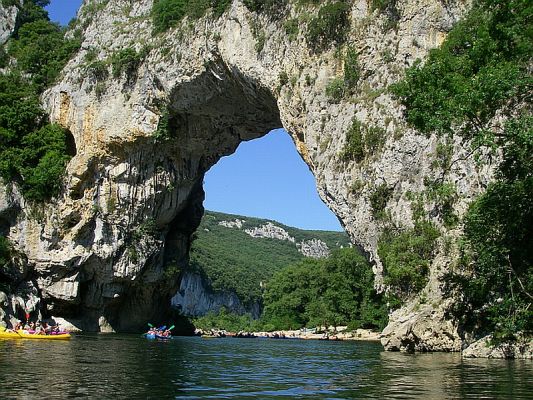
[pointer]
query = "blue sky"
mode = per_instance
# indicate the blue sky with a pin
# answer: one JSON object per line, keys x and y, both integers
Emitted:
{"x": 264, "y": 178}
{"x": 267, "y": 178}
{"x": 63, "y": 11}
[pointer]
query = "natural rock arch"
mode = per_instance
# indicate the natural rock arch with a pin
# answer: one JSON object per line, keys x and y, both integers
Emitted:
{"x": 103, "y": 252}
{"x": 147, "y": 192}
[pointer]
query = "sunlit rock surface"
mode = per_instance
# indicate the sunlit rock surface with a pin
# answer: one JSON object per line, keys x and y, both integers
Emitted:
{"x": 8, "y": 18}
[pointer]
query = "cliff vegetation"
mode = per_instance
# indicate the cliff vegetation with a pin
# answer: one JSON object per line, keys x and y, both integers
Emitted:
{"x": 33, "y": 152}
{"x": 478, "y": 85}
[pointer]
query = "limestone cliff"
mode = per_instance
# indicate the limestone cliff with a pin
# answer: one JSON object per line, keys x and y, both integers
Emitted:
{"x": 8, "y": 16}
{"x": 194, "y": 298}
{"x": 103, "y": 252}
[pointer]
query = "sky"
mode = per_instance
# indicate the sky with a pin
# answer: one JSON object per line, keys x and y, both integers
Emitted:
{"x": 264, "y": 178}
{"x": 267, "y": 178}
{"x": 63, "y": 11}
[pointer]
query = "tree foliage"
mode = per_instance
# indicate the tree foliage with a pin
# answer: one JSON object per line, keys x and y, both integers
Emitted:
{"x": 168, "y": 13}
{"x": 228, "y": 321}
{"x": 495, "y": 275}
{"x": 480, "y": 71}
{"x": 379, "y": 198}
{"x": 41, "y": 51}
{"x": 406, "y": 256}
{"x": 362, "y": 141}
{"x": 4, "y": 251}
{"x": 126, "y": 62}
{"x": 334, "y": 291}
{"x": 481, "y": 68}
{"x": 32, "y": 152}
{"x": 231, "y": 260}
{"x": 329, "y": 26}
{"x": 265, "y": 6}
{"x": 5, "y": 257}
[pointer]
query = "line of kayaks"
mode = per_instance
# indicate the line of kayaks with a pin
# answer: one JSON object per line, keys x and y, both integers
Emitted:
{"x": 24, "y": 334}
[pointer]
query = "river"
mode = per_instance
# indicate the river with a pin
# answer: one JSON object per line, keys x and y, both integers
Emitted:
{"x": 130, "y": 367}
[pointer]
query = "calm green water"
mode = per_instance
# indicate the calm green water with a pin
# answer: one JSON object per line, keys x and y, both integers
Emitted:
{"x": 128, "y": 367}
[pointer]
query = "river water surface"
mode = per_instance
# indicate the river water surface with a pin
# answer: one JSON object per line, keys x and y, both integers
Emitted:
{"x": 130, "y": 367}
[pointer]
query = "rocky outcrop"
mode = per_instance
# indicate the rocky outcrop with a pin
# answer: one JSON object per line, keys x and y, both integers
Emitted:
{"x": 194, "y": 298}
{"x": 426, "y": 329}
{"x": 314, "y": 248}
{"x": 105, "y": 250}
{"x": 271, "y": 231}
{"x": 483, "y": 348}
{"x": 8, "y": 17}
{"x": 237, "y": 223}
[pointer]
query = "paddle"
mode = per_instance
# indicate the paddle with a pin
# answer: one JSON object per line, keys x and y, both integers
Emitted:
{"x": 4, "y": 329}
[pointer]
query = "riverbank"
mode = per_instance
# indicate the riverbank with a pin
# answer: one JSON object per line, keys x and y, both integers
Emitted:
{"x": 303, "y": 334}
{"x": 359, "y": 334}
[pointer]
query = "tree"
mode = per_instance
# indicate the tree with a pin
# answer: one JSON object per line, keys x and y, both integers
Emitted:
{"x": 333, "y": 291}
{"x": 32, "y": 152}
{"x": 481, "y": 71}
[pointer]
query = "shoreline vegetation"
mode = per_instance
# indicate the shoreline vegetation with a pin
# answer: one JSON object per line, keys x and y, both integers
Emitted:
{"x": 340, "y": 333}
{"x": 333, "y": 291}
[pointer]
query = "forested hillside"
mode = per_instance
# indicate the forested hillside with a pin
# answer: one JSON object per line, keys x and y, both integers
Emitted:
{"x": 232, "y": 260}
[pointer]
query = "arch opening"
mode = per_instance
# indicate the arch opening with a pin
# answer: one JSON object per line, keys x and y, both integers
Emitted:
{"x": 262, "y": 195}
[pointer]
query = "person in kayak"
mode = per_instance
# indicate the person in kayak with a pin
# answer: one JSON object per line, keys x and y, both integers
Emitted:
{"x": 43, "y": 329}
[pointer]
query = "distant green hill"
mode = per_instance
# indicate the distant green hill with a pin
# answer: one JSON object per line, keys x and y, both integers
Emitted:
{"x": 231, "y": 259}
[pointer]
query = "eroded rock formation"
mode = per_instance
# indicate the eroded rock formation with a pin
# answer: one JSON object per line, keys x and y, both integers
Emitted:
{"x": 195, "y": 298}
{"x": 103, "y": 253}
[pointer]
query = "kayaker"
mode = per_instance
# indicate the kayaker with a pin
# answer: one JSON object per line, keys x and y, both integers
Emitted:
{"x": 45, "y": 328}
{"x": 41, "y": 328}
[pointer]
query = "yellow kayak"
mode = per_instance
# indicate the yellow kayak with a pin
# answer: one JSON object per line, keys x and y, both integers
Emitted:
{"x": 9, "y": 335}
{"x": 21, "y": 334}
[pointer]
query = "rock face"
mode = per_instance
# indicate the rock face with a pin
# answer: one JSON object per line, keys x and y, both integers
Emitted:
{"x": 271, "y": 231}
{"x": 103, "y": 253}
{"x": 237, "y": 223}
{"x": 314, "y": 248}
{"x": 195, "y": 299}
{"x": 521, "y": 349}
{"x": 8, "y": 17}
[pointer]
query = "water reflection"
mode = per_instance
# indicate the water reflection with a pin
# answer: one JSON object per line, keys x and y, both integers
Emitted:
{"x": 448, "y": 376}
{"x": 127, "y": 366}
